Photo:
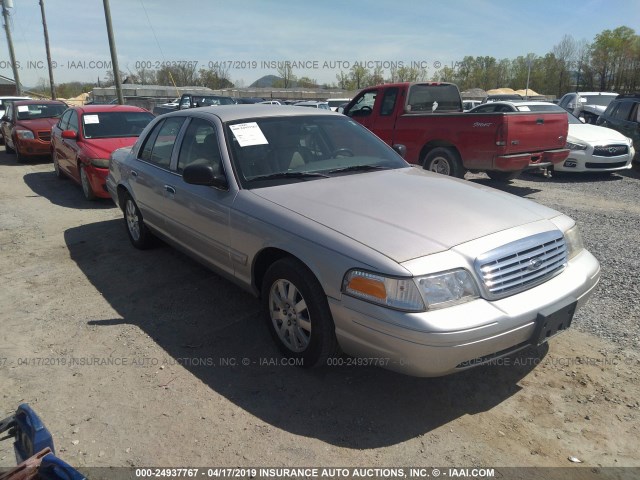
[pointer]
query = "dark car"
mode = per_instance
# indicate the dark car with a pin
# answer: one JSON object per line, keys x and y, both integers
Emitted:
{"x": 26, "y": 126}
{"x": 623, "y": 115}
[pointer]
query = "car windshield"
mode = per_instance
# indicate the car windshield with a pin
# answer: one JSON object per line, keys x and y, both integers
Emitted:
{"x": 37, "y": 110}
{"x": 275, "y": 150}
{"x": 601, "y": 100}
{"x": 548, "y": 108}
{"x": 114, "y": 124}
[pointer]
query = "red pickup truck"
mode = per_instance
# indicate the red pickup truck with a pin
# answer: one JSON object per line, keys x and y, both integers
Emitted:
{"x": 427, "y": 119}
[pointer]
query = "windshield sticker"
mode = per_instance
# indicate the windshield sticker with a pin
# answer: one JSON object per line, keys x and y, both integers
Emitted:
{"x": 524, "y": 108}
{"x": 88, "y": 119}
{"x": 23, "y": 108}
{"x": 248, "y": 134}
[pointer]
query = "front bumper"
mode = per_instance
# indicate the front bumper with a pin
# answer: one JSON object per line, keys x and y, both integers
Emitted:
{"x": 499, "y": 327}
{"x": 98, "y": 178}
{"x": 584, "y": 161}
{"x": 32, "y": 147}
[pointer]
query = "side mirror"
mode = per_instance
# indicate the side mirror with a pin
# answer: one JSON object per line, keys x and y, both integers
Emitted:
{"x": 70, "y": 134}
{"x": 400, "y": 149}
{"x": 203, "y": 175}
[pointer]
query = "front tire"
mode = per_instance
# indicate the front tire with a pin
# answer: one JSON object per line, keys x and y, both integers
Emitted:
{"x": 56, "y": 166}
{"x": 297, "y": 313}
{"x": 138, "y": 233}
{"x": 86, "y": 185}
{"x": 445, "y": 161}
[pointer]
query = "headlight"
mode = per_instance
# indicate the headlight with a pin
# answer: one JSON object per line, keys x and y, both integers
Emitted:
{"x": 100, "y": 162}
{"x": 576, "y": 146}
{"x": 400, "y": 293}
{"x": 573, "y": 240}
{"x": 25, "y": 134}
{"x": 427, "y": 292}
{"x": 445, "y": 289}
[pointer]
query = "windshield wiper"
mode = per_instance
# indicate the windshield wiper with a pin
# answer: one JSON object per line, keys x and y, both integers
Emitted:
{"x": 277, "y": 175}
{"x": 358, "y": 168}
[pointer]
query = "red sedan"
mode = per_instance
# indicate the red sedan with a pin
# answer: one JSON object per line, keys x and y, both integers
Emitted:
{"x": 26, "y": 126}
{"x": 83, "y": 139}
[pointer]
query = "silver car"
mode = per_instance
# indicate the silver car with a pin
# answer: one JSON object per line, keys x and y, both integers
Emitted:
{"x": 349, "y": 247}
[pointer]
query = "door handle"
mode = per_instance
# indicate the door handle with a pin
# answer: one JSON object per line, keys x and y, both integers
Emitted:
{"x": 539, "y": 121}
{"x": 134, "y": 173}
{"x": 170, "y": 189}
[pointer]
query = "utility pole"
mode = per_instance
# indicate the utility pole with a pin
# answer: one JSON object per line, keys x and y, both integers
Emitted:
{"x": 46, "y": 44}
{"x": 12, "y": 55}
{"x": 114, "y": 55}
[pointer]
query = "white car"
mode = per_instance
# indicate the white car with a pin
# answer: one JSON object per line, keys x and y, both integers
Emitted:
{"x": 593, "y": 148}
{"x": 313, "y": 104}
{"x": 469, "y": 104}
{"x": 334, "y": 103}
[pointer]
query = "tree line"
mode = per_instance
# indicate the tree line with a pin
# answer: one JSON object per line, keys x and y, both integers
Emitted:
{"x": 611, "y": 62}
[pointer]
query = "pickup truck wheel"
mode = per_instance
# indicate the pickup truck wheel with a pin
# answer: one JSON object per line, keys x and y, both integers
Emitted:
{"x": 138, "y": 232}
{"x": 503, "y": 176}
{"x": 297, "y": 313}
{"x": 445, "y": 161}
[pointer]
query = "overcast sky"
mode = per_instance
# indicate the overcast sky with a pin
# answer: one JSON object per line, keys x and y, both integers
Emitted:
{"x": 322, "y": 36}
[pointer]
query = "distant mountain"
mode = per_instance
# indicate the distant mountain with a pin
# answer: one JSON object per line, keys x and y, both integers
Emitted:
{"x": 265, "y": 82}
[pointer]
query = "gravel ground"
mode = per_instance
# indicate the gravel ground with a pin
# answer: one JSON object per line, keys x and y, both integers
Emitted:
{"x": 76, "y": 295}
{"x": 607, "y": 210}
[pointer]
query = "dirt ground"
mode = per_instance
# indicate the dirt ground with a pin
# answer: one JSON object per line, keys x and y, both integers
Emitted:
{"x": 148, "y": 359}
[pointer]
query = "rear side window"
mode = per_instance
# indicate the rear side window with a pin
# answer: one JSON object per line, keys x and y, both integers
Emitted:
{"x": 159, "y": 144}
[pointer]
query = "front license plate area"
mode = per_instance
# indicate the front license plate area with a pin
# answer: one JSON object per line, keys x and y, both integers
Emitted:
{"x": 552, "y": 321}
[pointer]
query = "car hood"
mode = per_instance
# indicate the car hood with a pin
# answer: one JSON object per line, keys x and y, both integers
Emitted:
{"x": 102, "y": 147}
{"x": 37, "y": 123}
{"x": 594, "y": 134}
{"x": 406, "y": 213}
{"x": 597, "y": 109}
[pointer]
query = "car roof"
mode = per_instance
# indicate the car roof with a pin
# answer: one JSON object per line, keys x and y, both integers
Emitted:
{"x": 39, "y": 102}
{"x": 230, "y": 113}
{"x": 592, "y": 93}
{"x": 108, "y": 108}
{"x": 515, "y": 104}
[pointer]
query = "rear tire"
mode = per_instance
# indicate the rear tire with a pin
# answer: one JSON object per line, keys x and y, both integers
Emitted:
{"x": 137, "y": 231}
{"x": 297, "y": 313}
{"x": 445, "y": 161}
{"x": 503, "y": 176}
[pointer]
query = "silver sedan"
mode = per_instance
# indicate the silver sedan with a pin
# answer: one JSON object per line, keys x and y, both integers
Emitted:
{"x": 349, "y": 248}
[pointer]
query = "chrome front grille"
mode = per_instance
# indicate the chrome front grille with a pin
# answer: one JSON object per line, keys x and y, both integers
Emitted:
{"x": 522, "y": 264}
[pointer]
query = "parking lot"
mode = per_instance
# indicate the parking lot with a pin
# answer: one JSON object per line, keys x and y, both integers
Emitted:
{"x": 148, "y": 359}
